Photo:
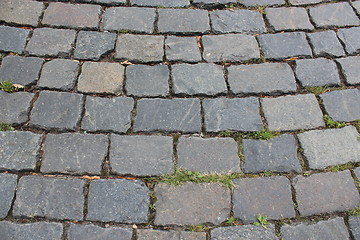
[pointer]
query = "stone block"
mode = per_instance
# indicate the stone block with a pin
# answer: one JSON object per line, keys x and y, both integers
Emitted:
{"x": 25, "y": 12}
{"x": 8, "y": 184}
{"x": 13, "y": 39}
{"x": 350, "y": 68}
{"x": 244, "y": 232}
{"x": 325, "y": 44}
{"x": 94, "y": 45}
{"x": 89, "y": 231}
{"x": 184, "y": 49}
{"x": 15, "y": 107}
{"x": 350, "y": 37}
{"x": 31, "y": 231}
{"x": 288, "y": 18}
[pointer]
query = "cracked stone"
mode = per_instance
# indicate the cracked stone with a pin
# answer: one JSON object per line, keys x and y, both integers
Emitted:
{"x": 350, "y": 37}
{"x": 326, "y": 44}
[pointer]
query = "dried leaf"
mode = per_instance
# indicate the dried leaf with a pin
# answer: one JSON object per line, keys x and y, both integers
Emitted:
{"x": 128, "y": 178}
{"x": 292, "y": 59}
{"x": 18, "y": 86}
{"x": 126, "y": 62}
{"x": 91, "y": 178}
{"x": 198, "y": 38}
{"x": 134, "y": 226}
{"x": 27, "y": 28}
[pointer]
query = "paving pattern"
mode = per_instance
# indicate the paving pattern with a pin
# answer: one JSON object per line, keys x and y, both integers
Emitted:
{"x": 148, "y": 119}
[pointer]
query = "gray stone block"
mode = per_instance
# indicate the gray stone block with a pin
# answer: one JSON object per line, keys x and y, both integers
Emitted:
{"x": 49, "y": 197}
{"x": 19, "y": 150}
{"x": 254, "y": 3}
{"x": 90, "y": 231}
{"x": 108, "y": 203}
{"x": 145, "y": 234}
{"x": 354, "y": 224}
{"x": 183, "y": 49}
{"x": 94, "y": 45}
{"x": 198, "y": 79}
{"x": 192, "y": 235}
{"x": 357, "y": 172}
{"x": 325, "y": 193}
{"x": 261, "y": 78}
{"x": 238, "y": 114}
{"x": 292, "y": 112}
{"x": 25, "y": 12}
{"x": 323, "y": 148}
{"x": 13, "y": 39}
{"x": 141, "y": 155}
{"x": 288, "y": 18}
{"x": 15, "y": 107}
{"x": 107, "y": 114}
{"x": 161, "y": 3}
{"x": 270, "y": 196}
{"x": 356, "y": 5}
{"x": 326, "y": 44}
{"x": 8, "y": 184}
{"x": 244, "y": 232}
{"x": 212, "y": 2}
{"x": 305, "y": 2}
{"x": 350, "y": 68}
{"x": 170, "y": 115}
{"x": 350, "y": 37}
{"x": 107, "y": 2}
{"x": 191, "y": 203}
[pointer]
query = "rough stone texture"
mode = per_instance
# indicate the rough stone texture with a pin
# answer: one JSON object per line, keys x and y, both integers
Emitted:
{"x": 278, "y": 155}
{"x": 145, "y": 234}
{"x": 261, "y": 78}
{"x": 20, "y": 70}
{"x": 19, "y": 150}
{"x": 118, "y": 200}
{"x": 182, "y": 21}
{"x": 191, "y": 203}
{"x": 212, "y": 2}
{"x": 70, "y": 153}
{"x": 356, "y": 5}
{"x": 140, "y": 48}
{"x": 292, "y": 112}
{"x": 270, "y": 196}
{"x": 59, "y": 74}
{"x": 253, "y": 3}
{"x": 162, "y": 3}
{"x": 244, "y": 232}
{"x": 317, "y": 72}
{"x": 203, "y": 155}
{"x": 330, "y": 229}
{"x": 132, "y": 19}
{"x": 24, "y": 12}
{"x": 72, "y": 15}
{"x": 192, "y": 235}
{"x": 147, "y": 81}
{"x": 354, "y": 224}
{"x": 334, "y": 15}
{"x": 323, "y": 148}
{"x": 305, "y": 2}
{"x": 107, "y": 114}
{"x": 284, "y": 45}
{"x": 13, "y": 39}
{"x": 8, "y": 184}
{"x": 217, "y": 48}
{"x": 49, "y": 197}
{"x": 51, "y": 42}
{"x": 350, "y": 68}
{"x": 357, "y": 172}
{"x": 94, "y": 45}
{"x": 350, "y": 37}
{"x": 90, "y": 231}
{"x": 239, "y": 114}
{"x": 180, "y": 115}
{"x": 56, "y": 110}
{"x": 101, "y": 77}
{"x": 237, "y": 21}
{"x": 31, "y": 231}
{"x": 15, "y": 107}
{"x": 106, "y": 2}
{"x": 182, "y": 49}
{"x": 202, "y": 78}
{"x": 141, "y": 155}
{"x": 325, "y": 193}
{"x": 289, "y": 18}
{"x": 326, "y": 44}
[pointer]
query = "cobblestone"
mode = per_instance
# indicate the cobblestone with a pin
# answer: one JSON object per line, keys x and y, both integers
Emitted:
{"x": 357, "y": 172}
{"x": 144, "y": 234}
{"x": 8, "y": 184}
{"x": 254, "y": 3}
{"x": 356, "y": 5}
{"x": 350, "y": 37}
{"x": 25, "y": 12}
{"x": 80, "y": 231}
{"x": 304, "y": 2}
{"x": 325, "y": 44}
{"x": 350, "y": 69}
{"x": 354, "y": 224}
{"x": 13, "y": 39}
{"x": 162, "y": 3}
{"x": 15, "y": 107}
{"x": 244, "y": 232}
{"x": 183, "y": 49}
{"x": 290, "y": 18}
{"x": 107, "y": 2}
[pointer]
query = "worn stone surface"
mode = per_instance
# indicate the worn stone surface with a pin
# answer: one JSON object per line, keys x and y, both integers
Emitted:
{"x": 212, "y": 2}
{"x": 289, "y": 18}
{"x": 326, "y": 43}
{"x": 323, "y": 148}
{"x": 118, "y": 200}
{"x": 8, "y": 184}
{"x": 243, "y": 47}
{"x": 304, "y": 2}
{"x": 292, "y": 112}
{"x": 350, "y": 69}
{"x": 181, "y": 115}
{"x": 350, "y": 37}
{"x": 94, "y": 45}
{"x": 325, "y": 193}
{"x": 145, "y": 234}
{"x": 191, "y": 203}
{"x": 25, "y": 12}
{"x": 15, "y": 107}
{"x": 107, "y": 114}
{"x": 162, "y": 3}
{"x": 107, "y": 2}
{"x": 244, "y": 232}
{"x": 90, "y": 231}
{"x": 261, "y": 78}
{"x": 19, "y": 150}
{"x": 49, "y": 197}
{"x": 13, "y": 39}
{"x": 141, "y": 155}
{"x": 270, "y": 196}
{"x": 239, "y": 114}
{"x": 356, "y": 5}
{"x": 357, "y": 172}
{"x": 354, "y": 224}
{"x": 253, "y": 3}
{"x": 192, "y": 235}
{"x": 183, "y": 49}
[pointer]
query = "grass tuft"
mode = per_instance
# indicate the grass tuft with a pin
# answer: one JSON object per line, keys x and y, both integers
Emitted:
{"x": 261, "y": 221}
{"x": 6, "y": 127}
{"x": 7, "y": 86}
{"x": 354, "y": 212}
{"x": 333, "y": 124}
{"x": 339, "y": 168}
{"x": 198, "y": 228}
{"x": 260, "y": 135}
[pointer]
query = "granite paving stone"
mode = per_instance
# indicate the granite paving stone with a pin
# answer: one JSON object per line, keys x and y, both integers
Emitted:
{"x": 325, "y": 193}
{"x": 202, "y": 78}
{"x": 356, "y": 5}
{"x": 141, "y": 155}
{"x": 284, "y": 45}
{"x": 289, "y": 18}
{"x": 51, "y": 42}
{"x": 191, "y": 203}
{"x": 213, "y": 2}
{"x": 15, "y": 107}
{"x": 57, "y": 110}
{"x": 270, "y": 196}
{"x": 180, "y": 115}
{"x": 107, "y": 114}
{"x": 185, "y": 235}
{"x": 26, "y": 12}
{"x": 317, "y": 72}
{"x": 350, "y": 68}
{"x": 357, "y": 172}
{"x": 254, "y": 3}
{"x": 19, "y": 150}
{"x": 101, "y": 77}
{"x": 144, "y": 234}
{"x": 183, "y": 49}
{"x": 305, "y": 2}
{"x": 330, "y": 229}
{"x": 354, "y": 225}
{"x": 118, "y": 200}
{"x": 237, "y": 21}
{"x": 230, "y": 48}
{"x": 277, "y": 155}
{"x": 8, "y": 184}
{"x": 238, "y": 114}
{"x": 147, "y": 81}
{"x": 13, "y": 39}
{"x": 292, "y": 112}
{"x": 203, "y": 155}
{"x": 261, "y": 78}
{"x": 90, "y": 231}
{"x": 350, "y": 37}
{"x": 20, "y": 70}
{"x": 94, "y": 45}
{"x": 162, "y": 3}
{"x": 325, "y": 44}
{"x": 107, "y": 2}
{"x": 244, "y": 232}
{"x": 323, "y": 148}
{"x": 49, "y": 197}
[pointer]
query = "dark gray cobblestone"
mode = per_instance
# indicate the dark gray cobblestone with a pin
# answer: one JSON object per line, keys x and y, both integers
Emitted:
{"x": 25, "y": 12}
{"x": 350, "y": 69}
{"x": 244, "y": 232}
{"x": 8, "y": 184}
{"x": 290, "y": 18}
{"x": 15, "y": 107}
{"x": 354, "y": 224}
{"x": 350, "y": 37}
{"x": 183, "y": 49}
{"x": 356, "y": 5}
{"x": 305, "y": 2}
{"x": 254, "y": 3}
{"x": 326, "y": 43}
{"x": 145, "y": 234}
{"x": 162, "y": 3}
{"x": 90, "y": 231}
{"x": 13, "y": 39}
